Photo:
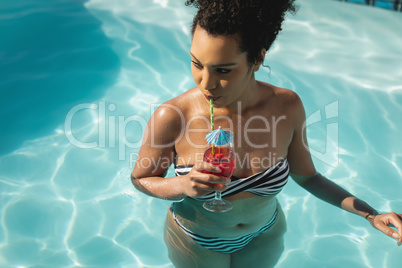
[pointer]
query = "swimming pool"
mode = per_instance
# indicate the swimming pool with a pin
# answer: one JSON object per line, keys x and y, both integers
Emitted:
{"x": 388, "y": 4}
{"x": 80, "y": 78}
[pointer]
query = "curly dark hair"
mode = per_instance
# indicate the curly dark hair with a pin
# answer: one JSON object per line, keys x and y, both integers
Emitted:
{"x": 257, "y": 22}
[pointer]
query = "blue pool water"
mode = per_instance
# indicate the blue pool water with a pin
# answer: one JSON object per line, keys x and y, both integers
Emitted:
{"x": 80, "y": 78}
{"x": 389, "y": 4}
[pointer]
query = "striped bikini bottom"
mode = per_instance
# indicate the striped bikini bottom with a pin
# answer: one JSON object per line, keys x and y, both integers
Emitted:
{"x": 225, "y": 245}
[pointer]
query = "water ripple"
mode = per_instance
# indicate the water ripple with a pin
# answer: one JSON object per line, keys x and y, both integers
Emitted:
{"x": 65, "y": 206}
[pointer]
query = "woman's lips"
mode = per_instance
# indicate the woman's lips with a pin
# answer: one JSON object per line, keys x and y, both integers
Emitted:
{"x": 210, "y": 97}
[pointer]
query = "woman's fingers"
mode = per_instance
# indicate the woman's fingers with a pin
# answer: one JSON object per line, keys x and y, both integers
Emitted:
{"x": 383, "y": 220}
{"x": 387, "y": 230}
{"x": 205, "y": 169}
{"x": 199, "y": 185}
{"x": 209, "y": 180}
{"x": 205, "y": 166}
{"x": 202, "y": 180}
{"x": 398, "y": 225}
{"x": 397, "y": 222}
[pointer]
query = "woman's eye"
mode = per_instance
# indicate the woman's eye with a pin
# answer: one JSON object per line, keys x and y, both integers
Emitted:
{"x": 196, "y": 65}
{"x": 223, "y": 71}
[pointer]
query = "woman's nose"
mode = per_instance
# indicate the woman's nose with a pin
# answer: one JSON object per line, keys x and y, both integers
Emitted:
{"x": 208, "y": 82}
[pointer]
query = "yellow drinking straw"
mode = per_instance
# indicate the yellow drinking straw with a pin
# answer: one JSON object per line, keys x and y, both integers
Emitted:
{"x": 211, "y": 102}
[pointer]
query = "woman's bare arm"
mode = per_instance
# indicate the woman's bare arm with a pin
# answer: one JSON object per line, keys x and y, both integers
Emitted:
{"x": 157, "y": 154}
{"x": 303, "y": 172}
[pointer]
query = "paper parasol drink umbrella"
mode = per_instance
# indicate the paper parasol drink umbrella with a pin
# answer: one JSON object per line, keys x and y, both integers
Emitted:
{"x": 219, "y": 137}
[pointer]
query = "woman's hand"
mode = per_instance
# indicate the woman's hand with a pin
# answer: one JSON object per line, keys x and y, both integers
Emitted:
{"x": 383, "y": 221}
{"x": 199, "y": 183}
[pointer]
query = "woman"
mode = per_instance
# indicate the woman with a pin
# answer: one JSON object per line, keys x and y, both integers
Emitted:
{"x": 230, "y": 39}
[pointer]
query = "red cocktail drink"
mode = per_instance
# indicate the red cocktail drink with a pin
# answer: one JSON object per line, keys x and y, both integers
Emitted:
{"x": 222, "y": 157}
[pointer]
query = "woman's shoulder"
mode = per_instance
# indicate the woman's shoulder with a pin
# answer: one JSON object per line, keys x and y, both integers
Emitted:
{"x": 176, "y": 108}
{"x": 279, "y": 102}
{"x": 281, "y": 97}
{"x": 183, "y": 99}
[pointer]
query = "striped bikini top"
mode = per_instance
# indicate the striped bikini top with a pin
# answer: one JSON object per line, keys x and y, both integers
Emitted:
{"x": 265, "y": 183}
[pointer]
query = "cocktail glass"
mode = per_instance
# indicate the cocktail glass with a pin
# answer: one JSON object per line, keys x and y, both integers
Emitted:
{"x": 224, "y": 157}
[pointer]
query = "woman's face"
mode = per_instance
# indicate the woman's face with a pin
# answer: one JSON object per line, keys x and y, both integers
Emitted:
{"x": 220, "y": 69}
